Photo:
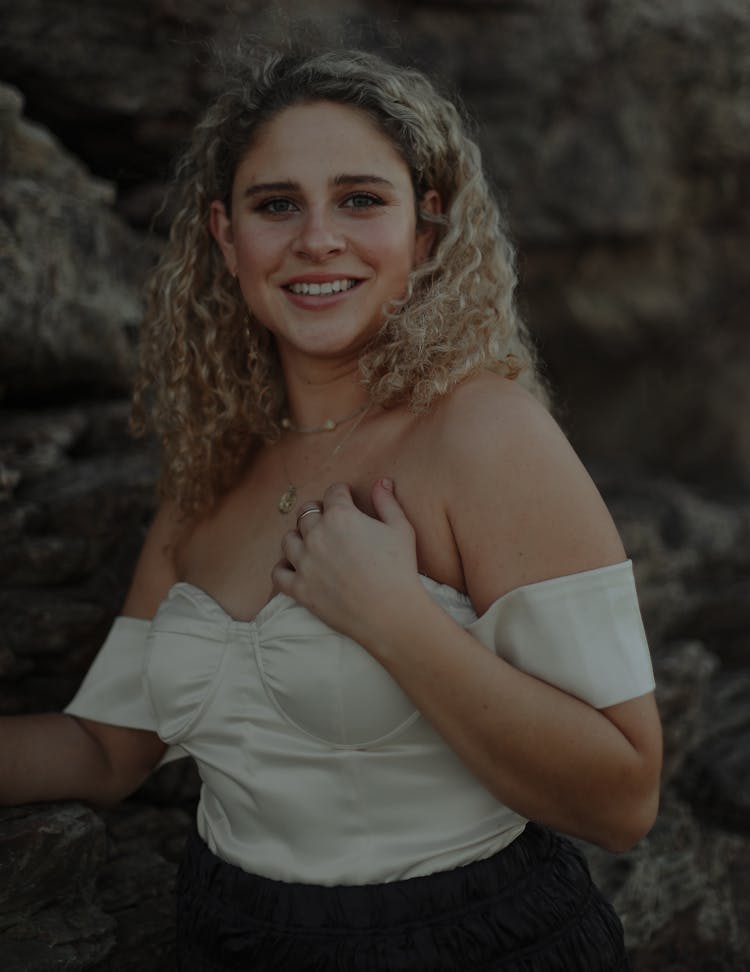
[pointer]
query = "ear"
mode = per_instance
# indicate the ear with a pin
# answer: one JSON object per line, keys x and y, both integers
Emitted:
{"x": 426, "y": 232}
{"x": 221, "y": 230}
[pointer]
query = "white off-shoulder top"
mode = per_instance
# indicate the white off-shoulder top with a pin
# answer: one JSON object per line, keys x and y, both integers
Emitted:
{"x": 315, "y": 765}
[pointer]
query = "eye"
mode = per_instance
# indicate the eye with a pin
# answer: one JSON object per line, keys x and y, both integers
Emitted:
{"x": 362, "y": 200}
{"x": 278, "y": 206}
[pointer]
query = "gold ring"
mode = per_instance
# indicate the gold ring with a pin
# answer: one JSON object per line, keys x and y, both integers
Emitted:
{"x": 311, "y": 509}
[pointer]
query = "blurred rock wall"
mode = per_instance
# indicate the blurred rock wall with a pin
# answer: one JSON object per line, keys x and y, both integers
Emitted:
{"x": 618, "y": 134}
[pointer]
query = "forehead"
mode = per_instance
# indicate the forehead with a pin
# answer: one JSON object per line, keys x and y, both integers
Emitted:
{"x": 319, "y": 134}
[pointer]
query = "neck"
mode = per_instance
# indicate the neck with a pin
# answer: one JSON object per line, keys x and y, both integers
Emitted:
{"x": 315, "y": 398}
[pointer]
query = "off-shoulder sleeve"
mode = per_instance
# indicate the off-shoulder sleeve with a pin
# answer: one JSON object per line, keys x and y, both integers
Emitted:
{"x": 112, "y": 690}
{"x": 582, "y": 633}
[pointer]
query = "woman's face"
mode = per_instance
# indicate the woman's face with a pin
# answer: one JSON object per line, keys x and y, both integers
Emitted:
{"x": 322, "y": 231}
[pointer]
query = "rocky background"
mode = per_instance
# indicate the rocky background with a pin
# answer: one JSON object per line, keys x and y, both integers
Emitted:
{"x": 618, "y": 133}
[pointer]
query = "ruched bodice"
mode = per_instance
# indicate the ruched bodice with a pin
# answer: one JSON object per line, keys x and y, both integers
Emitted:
{"x": 320, "y": 682}
{"x": 316, "y": 767}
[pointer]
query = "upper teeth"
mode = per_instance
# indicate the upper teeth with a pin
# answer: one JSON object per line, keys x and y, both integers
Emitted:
{"x": 331, "y": 287}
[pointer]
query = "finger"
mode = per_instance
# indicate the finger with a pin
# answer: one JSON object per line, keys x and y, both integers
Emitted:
{"x": 308, "y": 517}
{"x": 292, "y": 546}
{"x": 337, "y": 494}
{"x": 386, "y": 505}
{"x": 283, "y": 577}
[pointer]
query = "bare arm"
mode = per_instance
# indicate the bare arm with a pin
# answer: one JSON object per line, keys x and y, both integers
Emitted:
{"x": 59, "y": 757}
{"x": 54, "y": 756}
{"x": 550, "y": 757}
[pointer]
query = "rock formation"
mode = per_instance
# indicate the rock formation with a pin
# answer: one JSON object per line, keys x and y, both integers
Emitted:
{"x": 617, "y": 132}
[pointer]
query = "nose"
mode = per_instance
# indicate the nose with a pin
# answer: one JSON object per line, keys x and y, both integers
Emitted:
{"x": 318, "y": 236}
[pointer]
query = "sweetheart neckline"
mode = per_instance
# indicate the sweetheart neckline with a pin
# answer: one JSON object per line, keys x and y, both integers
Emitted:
{"x": 279, "y": 599}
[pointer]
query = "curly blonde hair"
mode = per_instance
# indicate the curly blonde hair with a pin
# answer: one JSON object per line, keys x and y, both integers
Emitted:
{"x": 209, "y": 381}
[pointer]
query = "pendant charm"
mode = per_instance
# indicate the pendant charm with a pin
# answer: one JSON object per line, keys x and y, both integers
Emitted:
{"x": 288, "y": 499}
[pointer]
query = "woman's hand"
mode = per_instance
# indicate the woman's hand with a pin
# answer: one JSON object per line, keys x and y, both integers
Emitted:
{"x": 353, "y": 571}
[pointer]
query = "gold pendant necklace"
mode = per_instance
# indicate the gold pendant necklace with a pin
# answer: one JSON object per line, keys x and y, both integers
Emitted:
{"x": 288, "y": 499}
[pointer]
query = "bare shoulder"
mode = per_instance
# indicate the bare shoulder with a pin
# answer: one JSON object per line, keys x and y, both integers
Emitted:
{"x": 485, "y": 401}
{"x": 156, "y": 570}
{"x": 521, "y": 504}
{"x": 489, "y": 418}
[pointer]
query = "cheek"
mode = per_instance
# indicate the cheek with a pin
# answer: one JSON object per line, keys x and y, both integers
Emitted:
{"x": 249, "y": 253}
{"x": 252, "y": 267}
{"x": 258, "y": 247}
{"x": 394, "y": 251}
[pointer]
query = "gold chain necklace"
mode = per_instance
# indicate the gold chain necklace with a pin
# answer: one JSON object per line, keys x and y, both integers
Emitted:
{"x": 288, "y": 499}
{"x": 328, "y": 426}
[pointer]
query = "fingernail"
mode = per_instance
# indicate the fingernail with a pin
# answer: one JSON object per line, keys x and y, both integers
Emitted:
{"x": 387, "y": 484}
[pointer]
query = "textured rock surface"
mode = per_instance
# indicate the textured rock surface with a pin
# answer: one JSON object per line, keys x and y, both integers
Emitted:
{"x": 136, "y": 886}
{"x": 69, "y": 270}
{"x": 51, "y": 916}
{"x": 618, "y": 132}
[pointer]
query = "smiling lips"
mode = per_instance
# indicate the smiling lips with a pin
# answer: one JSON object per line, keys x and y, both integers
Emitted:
{"x": 322, "y": 288}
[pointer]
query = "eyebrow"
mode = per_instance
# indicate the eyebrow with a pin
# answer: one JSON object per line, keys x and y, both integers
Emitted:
{"x": 359, "y": 178}
{"x": 345, "y": 179}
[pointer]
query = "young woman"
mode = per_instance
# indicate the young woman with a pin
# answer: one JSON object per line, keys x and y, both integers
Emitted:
{"x": 382, "y": 605}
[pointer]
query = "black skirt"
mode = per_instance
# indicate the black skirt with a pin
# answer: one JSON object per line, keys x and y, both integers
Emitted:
{"x": 530, "y": 908}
